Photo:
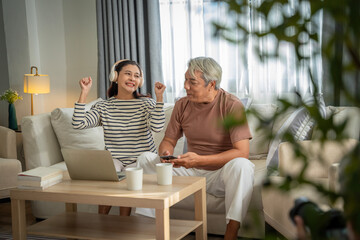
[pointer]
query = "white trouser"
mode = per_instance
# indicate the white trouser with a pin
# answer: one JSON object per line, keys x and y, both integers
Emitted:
{"x": 234, "y": 181}
{"x": 119, "y": 166}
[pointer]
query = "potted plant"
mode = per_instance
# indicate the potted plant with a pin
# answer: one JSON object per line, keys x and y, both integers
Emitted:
{"x": 11, "y": 96}
{"x": 340, "y": 51}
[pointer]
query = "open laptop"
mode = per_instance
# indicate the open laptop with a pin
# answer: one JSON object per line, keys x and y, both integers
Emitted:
{"x": 86, "y": 164}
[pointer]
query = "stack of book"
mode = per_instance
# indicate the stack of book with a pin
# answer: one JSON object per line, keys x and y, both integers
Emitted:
{"x": 39, "y": 178}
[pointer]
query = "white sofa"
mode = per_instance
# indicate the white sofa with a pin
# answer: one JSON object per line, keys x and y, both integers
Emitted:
{"x": 43, "y": 139}
{"x": 323, "y": 169}
{"x": 10, "y": 166}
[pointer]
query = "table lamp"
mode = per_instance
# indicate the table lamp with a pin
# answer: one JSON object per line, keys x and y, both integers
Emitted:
{"x": 36, "y": 84}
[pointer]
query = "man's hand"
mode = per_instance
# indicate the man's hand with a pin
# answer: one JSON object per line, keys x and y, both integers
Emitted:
{"x": 166, "y": 147}
{"x": 165, "y": 153}
{"x": 187, "y": 160}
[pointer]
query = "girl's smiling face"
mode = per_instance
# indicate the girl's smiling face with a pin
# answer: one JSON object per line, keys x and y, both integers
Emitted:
{"x": 128, "y": 79}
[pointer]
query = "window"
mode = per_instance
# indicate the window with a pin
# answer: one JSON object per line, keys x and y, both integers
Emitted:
{"x": 187, "y": 32}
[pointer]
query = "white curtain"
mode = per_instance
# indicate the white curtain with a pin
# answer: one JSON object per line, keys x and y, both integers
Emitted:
{"x": 187, "y": 32}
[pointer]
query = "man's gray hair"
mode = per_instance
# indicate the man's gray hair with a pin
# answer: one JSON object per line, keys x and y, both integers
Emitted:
{"x": 210, "y": 69}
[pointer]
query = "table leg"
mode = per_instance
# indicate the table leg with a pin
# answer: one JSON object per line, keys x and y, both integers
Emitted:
{"x": 71, "y": 207}
{"x": 200, "y": 213}
{"x": 162, "y": 223}
{"x": 18, "y": 217}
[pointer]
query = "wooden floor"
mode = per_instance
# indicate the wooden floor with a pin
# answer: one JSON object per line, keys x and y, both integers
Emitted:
{"x": 5, "y": 215}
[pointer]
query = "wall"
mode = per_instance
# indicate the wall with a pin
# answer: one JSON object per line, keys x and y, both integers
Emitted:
{"x": 4, "y": 73}
{"x": 51, "y": 37}
{"x": 81, "y": 47}
{"x": 17, "y": 49}
{"x": 59, "y": 37}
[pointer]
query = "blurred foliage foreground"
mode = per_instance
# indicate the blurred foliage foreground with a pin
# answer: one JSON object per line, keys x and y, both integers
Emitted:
{"x": 340, "y": 51}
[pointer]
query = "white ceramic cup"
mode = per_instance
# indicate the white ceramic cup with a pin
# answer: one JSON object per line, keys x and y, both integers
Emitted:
{"x": 134, "y": 178}
{"x": 164, "y": 173}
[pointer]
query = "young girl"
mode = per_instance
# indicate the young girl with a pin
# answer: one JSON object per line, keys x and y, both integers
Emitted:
{"x": 127, "y": 117}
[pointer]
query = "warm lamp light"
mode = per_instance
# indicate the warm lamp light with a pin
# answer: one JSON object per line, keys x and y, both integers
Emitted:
{"x": 36, "y": 84}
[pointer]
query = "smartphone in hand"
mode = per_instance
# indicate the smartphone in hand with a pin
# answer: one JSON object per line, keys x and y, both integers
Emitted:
{"x": 169, "y": 157}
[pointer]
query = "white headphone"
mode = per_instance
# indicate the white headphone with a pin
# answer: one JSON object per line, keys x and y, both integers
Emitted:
{"x": 114, "y": 75}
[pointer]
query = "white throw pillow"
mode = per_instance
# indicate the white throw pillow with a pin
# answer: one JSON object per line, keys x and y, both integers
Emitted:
{"x": 68, "y": 137}
{"x": 299, "y": 124}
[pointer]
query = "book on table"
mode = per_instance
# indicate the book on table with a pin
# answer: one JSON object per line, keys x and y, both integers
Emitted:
{"x": 40, "y": 177}
{"x": 53, "y": 180}
{"x": 40, "y": 186}
{"x": 39, "y": 174}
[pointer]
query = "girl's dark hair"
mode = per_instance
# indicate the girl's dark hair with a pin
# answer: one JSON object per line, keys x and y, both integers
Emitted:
{"x": 113, "y": 89}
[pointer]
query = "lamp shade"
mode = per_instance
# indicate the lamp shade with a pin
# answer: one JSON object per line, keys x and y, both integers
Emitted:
{"x": 36, "y": 83}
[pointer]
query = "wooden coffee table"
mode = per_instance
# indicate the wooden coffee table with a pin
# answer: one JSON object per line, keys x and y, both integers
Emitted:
{"x": 77, "y": 225}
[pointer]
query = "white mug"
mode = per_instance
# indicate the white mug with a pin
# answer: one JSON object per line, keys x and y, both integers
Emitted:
{"x": 134, "y": 178}
{"x": 164, "y": 173}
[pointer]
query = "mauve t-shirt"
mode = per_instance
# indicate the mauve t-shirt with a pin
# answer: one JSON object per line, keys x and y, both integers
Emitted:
{"x": 201, "y": 124}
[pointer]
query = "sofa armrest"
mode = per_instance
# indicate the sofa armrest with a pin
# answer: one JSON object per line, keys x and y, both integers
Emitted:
{"x": 8, "y": 143}
{"x": 320, "y": 157}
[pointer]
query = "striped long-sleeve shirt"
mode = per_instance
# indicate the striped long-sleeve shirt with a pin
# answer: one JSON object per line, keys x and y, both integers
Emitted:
{"x": 127, "y": 125}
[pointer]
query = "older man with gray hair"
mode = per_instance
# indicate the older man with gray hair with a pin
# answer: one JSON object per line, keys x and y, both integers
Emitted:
{"x": 219, "y": 155}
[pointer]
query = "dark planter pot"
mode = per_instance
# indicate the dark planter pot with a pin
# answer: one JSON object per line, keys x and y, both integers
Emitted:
{"x": 12, "y": 117}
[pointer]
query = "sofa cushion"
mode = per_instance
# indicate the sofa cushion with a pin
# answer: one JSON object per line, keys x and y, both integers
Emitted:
{"x": 320, "y": 156}
{"x": 41, "y": 147}
{"x": 158, "y": 136}
{"x": 299, "y": 123}
{"x": 259, "y": 144}
{"x": 352, "y": 116}
{"x": 69, "y": 137}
